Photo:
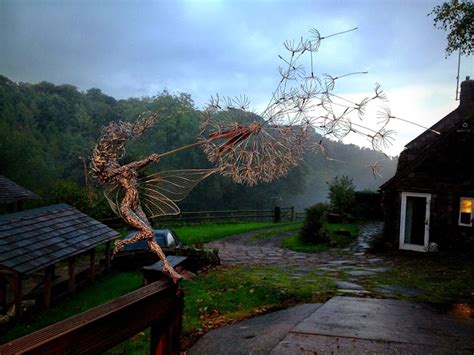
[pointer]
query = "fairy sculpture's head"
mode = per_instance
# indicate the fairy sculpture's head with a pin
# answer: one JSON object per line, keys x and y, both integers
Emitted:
{"x": 110, "y": 146}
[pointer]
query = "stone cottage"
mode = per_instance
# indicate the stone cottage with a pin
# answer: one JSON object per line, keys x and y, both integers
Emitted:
{"x": 428, "y": 204}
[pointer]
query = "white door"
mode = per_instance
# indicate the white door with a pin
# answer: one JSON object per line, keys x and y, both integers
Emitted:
{"x": 415, "y": 221}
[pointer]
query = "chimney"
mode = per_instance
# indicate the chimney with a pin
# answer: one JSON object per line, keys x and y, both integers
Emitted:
{"x": 467, "y": 93}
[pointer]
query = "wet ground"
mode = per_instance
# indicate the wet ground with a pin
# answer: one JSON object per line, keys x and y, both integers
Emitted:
{"x": 344, "y": 325}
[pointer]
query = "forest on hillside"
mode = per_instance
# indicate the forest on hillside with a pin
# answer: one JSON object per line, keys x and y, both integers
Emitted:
{"x": 48, "y": 131}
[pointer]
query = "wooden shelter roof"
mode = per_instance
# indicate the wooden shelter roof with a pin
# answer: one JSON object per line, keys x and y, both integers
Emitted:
{"x": 33, "y": 239}
{"x": 11, "y": 192}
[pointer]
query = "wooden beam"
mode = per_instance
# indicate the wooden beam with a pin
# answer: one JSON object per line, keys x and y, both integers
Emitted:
{"x": 72, "y": 275}
{"x": 92, "y": 265}
{"x": 3, "y": 293}
{"x": 18, "y": 295}
{"x": 47, "y": 285}
{"x": 107, "y": 256}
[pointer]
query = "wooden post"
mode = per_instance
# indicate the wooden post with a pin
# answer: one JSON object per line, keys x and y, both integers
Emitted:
{"x": 107, "y": 256}
{"x": 164, "y": 337}
{"x": 177, "y": 323}
{"x": 3, "y": 293}
{"x": 293, "y": 214}
{"x": 277, "y": 215}
{"x": 48, "y": 276}
{"x": 159, "y": 339}
{"x": 72, "y": 275}
{"x": 92, "y": 265}
{"x": 18, "y": 295}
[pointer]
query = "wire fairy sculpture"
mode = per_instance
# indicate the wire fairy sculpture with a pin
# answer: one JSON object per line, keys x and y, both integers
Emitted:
{"x": 249, "y": 148}
{"x": 136, "y": 200}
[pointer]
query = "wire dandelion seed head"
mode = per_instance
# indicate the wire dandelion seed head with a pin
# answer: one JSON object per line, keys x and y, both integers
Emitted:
{"x": 379, "y": 93}
{"x": 314, "y": 42}
{"x": 375, "y": 167}
{"x": 384, "y": 115}
{"x": 382, "y": 139}
{"x": 337, "y": 127}
{"x": 329, "y": 82}
{"x": 362, "y": 107}
{"x": 254, "y": 148}
{"x": 294, "y": 46}
{"x": 249, "y": 149}
{"x": 241, "y": 102}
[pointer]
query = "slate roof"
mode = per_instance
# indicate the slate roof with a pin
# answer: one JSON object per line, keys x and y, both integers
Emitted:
{"x": 425, "y": 144}
{"x": 34, "y": 239}
{"x": 11, "y": 192}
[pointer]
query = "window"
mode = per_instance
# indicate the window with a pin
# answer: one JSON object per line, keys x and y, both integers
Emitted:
{"x": 465, "y": 211}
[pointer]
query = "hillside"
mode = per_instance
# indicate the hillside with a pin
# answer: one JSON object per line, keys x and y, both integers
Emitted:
{"x": 47, "y": 133}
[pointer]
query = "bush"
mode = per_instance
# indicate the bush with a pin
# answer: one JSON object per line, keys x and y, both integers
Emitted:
{"x": 341, "y": 195}
{"x": 368, "y": 205}
{"x": 312, "y": 231}
{"x": 70, "y": 192}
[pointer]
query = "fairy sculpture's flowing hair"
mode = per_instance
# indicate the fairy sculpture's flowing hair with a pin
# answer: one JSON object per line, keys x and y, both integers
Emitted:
{"x": 110, "y": 146}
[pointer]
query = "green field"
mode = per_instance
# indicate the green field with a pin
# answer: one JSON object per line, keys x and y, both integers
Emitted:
{"x": 204, "y": 233}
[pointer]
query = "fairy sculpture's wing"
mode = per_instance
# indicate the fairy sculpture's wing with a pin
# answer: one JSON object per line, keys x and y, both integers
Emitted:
{"x": 160, "y": 191}
{"x": 114, "y": 194}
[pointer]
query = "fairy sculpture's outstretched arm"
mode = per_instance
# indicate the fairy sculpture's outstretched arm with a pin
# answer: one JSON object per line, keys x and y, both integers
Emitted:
{"x": 137, "y": 165}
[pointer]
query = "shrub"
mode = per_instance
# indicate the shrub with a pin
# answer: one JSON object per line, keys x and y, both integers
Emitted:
{"x": 312, "y": 231}
{"x": 70, "y": 192}
{"x": 341, "y": 195}
{"x": 368, "y": 205}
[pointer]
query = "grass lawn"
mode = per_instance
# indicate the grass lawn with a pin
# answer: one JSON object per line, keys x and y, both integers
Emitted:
{"x": 296, "y": 243}
{"x": 204, "y": 233}
{"x": 441, "y": 278}
{"x": 283, "y": 228}
{"x": 340, "y": 235}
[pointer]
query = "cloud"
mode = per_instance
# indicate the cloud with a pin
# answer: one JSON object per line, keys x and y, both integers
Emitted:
{"x": 421, "y": 104}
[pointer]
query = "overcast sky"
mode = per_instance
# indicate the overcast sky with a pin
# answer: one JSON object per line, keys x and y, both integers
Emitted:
{"x": 138, "y": 48}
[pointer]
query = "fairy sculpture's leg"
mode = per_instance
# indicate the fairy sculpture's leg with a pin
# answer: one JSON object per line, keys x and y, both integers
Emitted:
{"x": 147, "y": 233}
{"x": 140, "y": 213}
{"x": 144, "y": 231}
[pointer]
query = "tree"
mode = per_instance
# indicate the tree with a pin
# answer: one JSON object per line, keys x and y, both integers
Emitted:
{"x": 341, "y": 194}
{"x": 456, "y": 17}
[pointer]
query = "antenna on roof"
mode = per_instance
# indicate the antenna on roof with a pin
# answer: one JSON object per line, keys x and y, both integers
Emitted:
{"x": 457, "y": 77}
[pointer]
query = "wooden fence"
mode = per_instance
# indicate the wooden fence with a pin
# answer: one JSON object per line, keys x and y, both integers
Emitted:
{"x": 278, "y": 214}
{"x": 157, "y": 305}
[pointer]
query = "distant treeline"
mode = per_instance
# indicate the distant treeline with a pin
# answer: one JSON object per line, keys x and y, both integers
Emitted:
{"x": 47, "y": 133}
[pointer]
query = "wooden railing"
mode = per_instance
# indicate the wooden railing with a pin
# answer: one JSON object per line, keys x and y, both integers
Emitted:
{"x": 158, "y": 305}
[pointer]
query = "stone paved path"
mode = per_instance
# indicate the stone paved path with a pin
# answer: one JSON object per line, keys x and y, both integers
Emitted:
{"x": 355, "y": 261}
{"x": 243, "y": 249}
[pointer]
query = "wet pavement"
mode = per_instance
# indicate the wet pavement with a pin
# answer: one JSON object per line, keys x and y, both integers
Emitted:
{"x": 344, "y": 325}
